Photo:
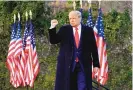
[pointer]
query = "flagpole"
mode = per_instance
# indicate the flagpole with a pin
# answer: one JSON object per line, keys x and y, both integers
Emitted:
{"x": 18, "y": 17}
{"x": 30, "y": 13}
{"x": 99, "y": 3}
{"x": 99, "y": 8}
{"x": 89, "y": 1}
{"x": 81, "y": 3}
{"x": 74, "y": 4}
{"x": 14, "y": 18}
{"x": 26, "y": 14}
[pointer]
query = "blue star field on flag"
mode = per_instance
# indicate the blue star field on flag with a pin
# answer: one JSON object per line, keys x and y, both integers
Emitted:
{"x": 13, "y": 35}
{"x": 26, "y": 33}
{"x": 99, "y": 24}
{"x": 90, "y": 20}
{"x": 32, "y": 34}
{"x": 18, "y": 36}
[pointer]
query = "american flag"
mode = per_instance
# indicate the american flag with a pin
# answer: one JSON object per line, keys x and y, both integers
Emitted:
{"x": 90, "y": 20}
{"x": 17, "y": 57}
{"x": 102, "y": 74}
{"x": 10, "y": 59}
{"x": 25, "y": 53}
{"x": 22, "y": 60}
{"x": 32, "y": 64}
{"x": 18, "y": 46}
{"x": 33, "y": 54}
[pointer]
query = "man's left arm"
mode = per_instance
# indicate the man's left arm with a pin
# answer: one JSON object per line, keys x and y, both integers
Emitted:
{"x": 95, "y": 57}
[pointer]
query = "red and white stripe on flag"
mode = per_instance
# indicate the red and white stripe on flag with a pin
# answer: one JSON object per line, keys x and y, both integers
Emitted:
{"x": 102, "y": 74}
{"x": 32, "y": 64}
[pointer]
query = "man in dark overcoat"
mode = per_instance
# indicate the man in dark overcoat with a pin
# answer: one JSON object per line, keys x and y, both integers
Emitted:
{"x": 77, "y": 52}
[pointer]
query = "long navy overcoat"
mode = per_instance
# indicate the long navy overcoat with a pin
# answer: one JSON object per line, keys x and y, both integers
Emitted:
{"x": 65, "y": 58}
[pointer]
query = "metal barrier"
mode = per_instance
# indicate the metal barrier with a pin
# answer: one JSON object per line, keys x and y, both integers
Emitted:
{"x": 99, "y": 86}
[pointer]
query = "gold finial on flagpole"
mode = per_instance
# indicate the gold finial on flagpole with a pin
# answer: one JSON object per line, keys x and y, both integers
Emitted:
{"x": 18, "y": 17}
{"x": 14, "y": 18}
{"x": 74, "y": 4}
{"x": 89, "y": 1}
{"x": 26, "y": 14}
{"x": 81, "y": 3}
{"x": 57, "y": 2}
{"x": 99, "y": 3}
{"x": 30, "y": 13}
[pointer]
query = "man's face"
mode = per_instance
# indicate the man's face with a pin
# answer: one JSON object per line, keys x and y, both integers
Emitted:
{"x": 74, "y": 19}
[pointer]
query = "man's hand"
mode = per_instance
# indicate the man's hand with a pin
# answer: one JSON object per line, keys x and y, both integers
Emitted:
{"x": 54, "y": 22}
{"x": 96, "y": 69}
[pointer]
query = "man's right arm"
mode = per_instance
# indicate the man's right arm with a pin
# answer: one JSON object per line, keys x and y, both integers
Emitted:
{"x": 53, "y": 36}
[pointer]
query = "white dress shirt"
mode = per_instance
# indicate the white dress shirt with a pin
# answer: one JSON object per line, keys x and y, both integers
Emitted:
{"x": 79, "y": 31}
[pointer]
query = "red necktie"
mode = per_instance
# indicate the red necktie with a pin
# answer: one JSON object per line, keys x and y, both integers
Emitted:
{"x": 76, "y": 37}
{"x": 76, "y": 40}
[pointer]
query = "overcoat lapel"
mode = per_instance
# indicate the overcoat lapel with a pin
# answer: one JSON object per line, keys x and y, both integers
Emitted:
{"x": 72, "y": 36}
{"x": 81, "y": 36}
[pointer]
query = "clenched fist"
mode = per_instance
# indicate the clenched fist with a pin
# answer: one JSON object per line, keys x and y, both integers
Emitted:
{"x": 54, "y": 22}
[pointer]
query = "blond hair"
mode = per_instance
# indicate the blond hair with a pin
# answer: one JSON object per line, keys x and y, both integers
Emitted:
{"x": 78, "y": 13}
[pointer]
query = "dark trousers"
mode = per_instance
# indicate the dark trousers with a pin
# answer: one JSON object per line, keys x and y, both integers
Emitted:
{"x": 77, "y": 79}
